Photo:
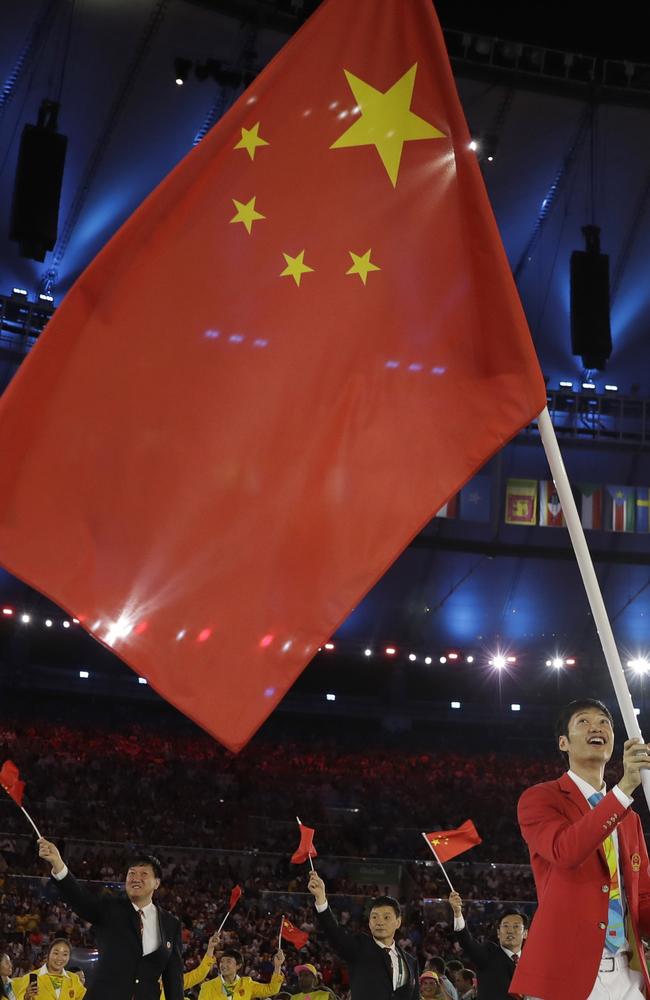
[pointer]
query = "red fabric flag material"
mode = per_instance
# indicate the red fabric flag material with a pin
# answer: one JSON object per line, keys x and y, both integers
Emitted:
{"x": 235, "y": 896}
{"x": 305, "y": 849}
{"x": 10, "y": 781}
{"x": 301, "y": 346}
{"x": 449, "y": 843}
{"x": 290, "y": 933}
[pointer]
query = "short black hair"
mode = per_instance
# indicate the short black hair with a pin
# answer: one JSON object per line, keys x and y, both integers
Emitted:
{"x": 437, "y": 964}
{"x": 147, "y": 859}
{"x": 387, "y": 901}
{"x": 454, "y": 965}
{"x": 233, "y": 953}
{"x": 467, "y": 975}
{"x": 567, "y": 713}
{"x": 513, "y": 913}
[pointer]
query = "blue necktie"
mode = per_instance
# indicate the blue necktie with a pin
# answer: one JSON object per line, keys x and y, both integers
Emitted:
{"x": 615, "y": 934}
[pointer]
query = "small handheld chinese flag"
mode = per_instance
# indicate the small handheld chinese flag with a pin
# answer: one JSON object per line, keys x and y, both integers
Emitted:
{"x": 235, "y": 896}
{"x": 448, "y": 843}
{"x": 290, "y": 933}
{"x": 10, "y": 781}
{"x": 305, "y": 850}
{"x": 313, "y": 306}
{"x": 14, "y": 787}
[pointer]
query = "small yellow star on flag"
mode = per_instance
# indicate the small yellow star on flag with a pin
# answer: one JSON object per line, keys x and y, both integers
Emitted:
{"x": 246, "y": 213}
{"x": 250, "y": 140}
{"x": 296, "y": 267}
{"x": 386, "y": 121}
{"x": 361, "y": 265}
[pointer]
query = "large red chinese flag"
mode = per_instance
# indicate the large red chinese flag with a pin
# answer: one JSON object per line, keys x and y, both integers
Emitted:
{"x": 295, "y": 351}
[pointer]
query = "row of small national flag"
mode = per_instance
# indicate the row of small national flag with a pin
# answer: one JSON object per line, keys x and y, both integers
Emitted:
{"x": 444, "y": 844}
{"x": 534, "y": 502}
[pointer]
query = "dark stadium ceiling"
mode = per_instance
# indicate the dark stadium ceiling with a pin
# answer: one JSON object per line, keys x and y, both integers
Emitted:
{"x": 128, "y": 124}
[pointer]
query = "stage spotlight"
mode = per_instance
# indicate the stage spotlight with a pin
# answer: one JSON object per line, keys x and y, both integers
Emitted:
{"x": 469, "y": 659}
{"x": 473, "y": 145}
{"x": 455, "y": 704}
{"x": 329, "y": 646}
{"x": 66, "y": 624}
{"x": 142, "y": 680}
{"x": 48, "y": 623}
{"x": 428, "y": 660}
{"x": 443, "y": 659}
{"x": 565, "y": 384}
{"x": 8, "y": 612}
{"x": 84, "y": 674}
{"x": 25, "y": 619}
{"x": 452, "y": 656}
{"x": 515, "y": 708}
{"x": 390, "y": 651}
{"x": 367, "y": 652}
{"x": 611, "y": 388}
{"x": 412, "y": 657}
{"x": 557, "y": 662}
{"x": 498, "y": 662}
{"x": 570, "y": 663}
{"x": 640, "y": 665}
{"x": 331, "y": 697}
{"x": 182, "y": 69}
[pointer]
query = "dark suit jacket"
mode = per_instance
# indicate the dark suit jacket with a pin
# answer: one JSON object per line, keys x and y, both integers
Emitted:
{"x": 493, "y": 967}
{"x": 370, "y": 974}
{"x": 123, "y": 972}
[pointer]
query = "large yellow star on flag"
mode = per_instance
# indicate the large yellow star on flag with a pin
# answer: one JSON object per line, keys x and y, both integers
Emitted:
{"x": 246, "y": 213}
{"x": 250, "y": 140}
{"x": 361, "y": 265}
{"x": 386, "y": 121}
{"x": 296, "y": 267}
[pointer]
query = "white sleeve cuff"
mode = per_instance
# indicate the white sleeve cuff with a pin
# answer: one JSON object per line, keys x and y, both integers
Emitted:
{"x": 624, "y": 799}
{"x": 459, "y": 923}
{"x": 62, "y": 874}
{"x": 321, "y": 907}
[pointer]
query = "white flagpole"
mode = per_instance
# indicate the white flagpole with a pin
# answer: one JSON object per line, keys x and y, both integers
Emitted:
{"x": 433, "y": 851}
{"x": 594, "y": 595}
{"x": 32, "y": 822}
{"x": 280, "y": 937}
{"x": 221, "y": 925}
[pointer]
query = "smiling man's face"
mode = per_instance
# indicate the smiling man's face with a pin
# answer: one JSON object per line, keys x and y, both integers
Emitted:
{"x": 589, "y": 739}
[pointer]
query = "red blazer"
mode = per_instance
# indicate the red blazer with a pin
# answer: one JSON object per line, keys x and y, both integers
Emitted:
{"x": 564, "y": 835}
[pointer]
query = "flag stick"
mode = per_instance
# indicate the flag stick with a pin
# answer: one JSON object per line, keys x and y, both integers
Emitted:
{"x": 36, "y": 831}
{"x": 433, "y": 851}
{"x": 311, "y": 863}
{"x": 220, "y": 927}
{"x": 590, "y": 580}
{"x": 280, "y": 937}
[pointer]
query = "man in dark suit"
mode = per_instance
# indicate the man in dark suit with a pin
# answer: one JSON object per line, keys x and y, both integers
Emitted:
{"x": 379, "y": 968}
{"x": 138, "y": 942}
{"x": 495, "y": 962}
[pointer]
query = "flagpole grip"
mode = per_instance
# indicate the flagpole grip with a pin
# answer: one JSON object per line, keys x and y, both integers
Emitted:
{"x": 434, "y": 852}
{"x": 590, "y": 581}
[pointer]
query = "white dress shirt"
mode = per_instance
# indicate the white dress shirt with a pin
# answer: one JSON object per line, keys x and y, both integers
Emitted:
{"x": 459, "y": 925}
{"x": 151, "y": 939}
{"x": 150, "y": 930}
{"x": 626, "y": 802}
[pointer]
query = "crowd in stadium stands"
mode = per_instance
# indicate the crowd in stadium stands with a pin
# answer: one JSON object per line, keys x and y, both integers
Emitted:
{"x": 368, "y": 804}
{"x": 223, "y": 812}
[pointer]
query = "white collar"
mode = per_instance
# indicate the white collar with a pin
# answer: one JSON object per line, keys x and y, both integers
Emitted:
{"x": 511, "y": 954}
{"x": 146, "y": 910}
{"x": 43, "y": 972}
{"x": 387, "y": 947}
{"x": 584, "y": 786}
{"x": 237, "y": 978}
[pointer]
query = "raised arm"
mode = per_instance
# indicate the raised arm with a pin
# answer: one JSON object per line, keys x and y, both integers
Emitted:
{"x": 479, "y": 953}
{"x": 88, "y": 905}
{"x": 343, "y": 942}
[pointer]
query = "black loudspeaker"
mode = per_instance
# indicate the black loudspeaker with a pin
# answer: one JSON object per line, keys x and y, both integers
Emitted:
{"x": 591, "y": 335}
{"x": 37, "y": 188}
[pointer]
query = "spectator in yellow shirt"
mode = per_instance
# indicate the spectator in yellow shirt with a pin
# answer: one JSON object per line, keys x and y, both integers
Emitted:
{"x": 53, "y": 981}
{"x": 196, "y": 976}
{"x": 230, "y": 984}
